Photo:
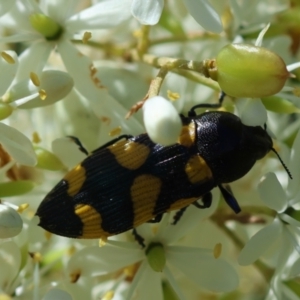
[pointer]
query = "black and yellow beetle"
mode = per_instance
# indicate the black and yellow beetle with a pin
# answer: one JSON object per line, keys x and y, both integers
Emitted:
{"x": 132, "y": 180}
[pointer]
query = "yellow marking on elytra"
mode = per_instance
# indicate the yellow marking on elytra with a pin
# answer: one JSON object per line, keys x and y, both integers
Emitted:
{"x": 129, "y": 154}
{"x": 75, "y": 178}
{"x": 187, "y": 136}
{"x": 91, "y": 222}
{"x": 197, "y": 169}
{"x": 180, "y": 203}
{"x": 144, "y": 193}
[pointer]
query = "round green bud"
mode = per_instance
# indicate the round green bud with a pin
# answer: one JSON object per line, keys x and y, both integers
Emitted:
{"x": 48, "y": 160}
{"x": 248, "y": 71}
{"x": 5, "y": 110}
{"x": 15, "y": 188}
{"x": 156, "y": 256}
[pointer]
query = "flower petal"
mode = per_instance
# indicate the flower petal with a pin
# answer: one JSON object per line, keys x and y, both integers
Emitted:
{"x": 147, "y": 291}
{"x": 191, "y": 217}
{"x": 17, "y": 145}
{"x": 57, "y": 294}
{"x": 173, "y": 282}
{"x": 148, "y": 12}
{"x": 204, "y": 14}
{"x": 10, "y": 222}
{"x": 6, "y": 5}
{"x": 259, "y": 243}
{"x": 272, "y": 193}
{"x": 8, "y": 67}
{"x": 106, "y": 14}
{"x": 33, "y": 59}
{"x": 294, "y": 164}
{"x": 10, "y": 261}
{"x": 56, "y": 84}
{"x": 95, "y": 260}
{"x": 251, "y": 111}
{"x": 89, "y": 85}
{"x": 203, "y": 269}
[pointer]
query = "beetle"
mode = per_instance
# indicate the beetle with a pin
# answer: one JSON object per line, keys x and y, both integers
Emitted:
{"x": 132, "y": 180}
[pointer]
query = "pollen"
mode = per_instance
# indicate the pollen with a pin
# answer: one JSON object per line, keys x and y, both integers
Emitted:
{"x": 108, "y": 295}
{"x": 36, "y": 138}
{"x": 86, "y": 37}
{"x": 9, "y": 59}
{"x": 35, "y": 79}
{"x": 217, "y": 250}
{"x": 43, "y": 94}
{"x": 22, "y": 207}
{"x": 173, "y": 96}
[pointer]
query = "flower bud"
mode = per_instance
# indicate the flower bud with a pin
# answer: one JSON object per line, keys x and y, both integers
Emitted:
{"x": 248, "y": 71}
{"x": 162, "y": 121}
{"x": 15, "y": 188}
{"x": 48, "y": 160}
{"x": 5, "y": 110}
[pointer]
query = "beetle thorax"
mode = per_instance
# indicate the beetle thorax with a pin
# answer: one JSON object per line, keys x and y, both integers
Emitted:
{"x": 229, "y": 147}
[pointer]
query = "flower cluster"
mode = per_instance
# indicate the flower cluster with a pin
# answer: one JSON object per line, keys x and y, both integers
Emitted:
{"x": 79, "y": 72}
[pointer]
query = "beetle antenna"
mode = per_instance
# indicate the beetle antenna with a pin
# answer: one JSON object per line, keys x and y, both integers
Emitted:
{"x": 283, "y": 164}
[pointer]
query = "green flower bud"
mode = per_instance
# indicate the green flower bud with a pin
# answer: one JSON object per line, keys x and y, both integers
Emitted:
{"x": 45, "y": 26}
{"x": 15, "y": 188}
{"x": 48, "y": 160}
{"x": 248, "y": 71}
{"x": 156, "y": 256}
{"x": 280, "y": 105}
{"x": 5, "y": 111}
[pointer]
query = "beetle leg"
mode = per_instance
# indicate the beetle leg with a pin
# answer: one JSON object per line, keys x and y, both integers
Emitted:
{"x": 206, "y": 201}
{"x": 230, "y": 199}
{"x": 178, "y": 215}
{"x": 78, "y": 143}
{"x": 138, "y": 238}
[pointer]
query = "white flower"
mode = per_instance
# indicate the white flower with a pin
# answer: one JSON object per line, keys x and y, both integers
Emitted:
{"x": 53, "y": 24}
{"x": 157, "y": 260}
{"x": 10, "y": 261}
{"x": 285, "y": 228}
{"x": 148, "y": 12}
